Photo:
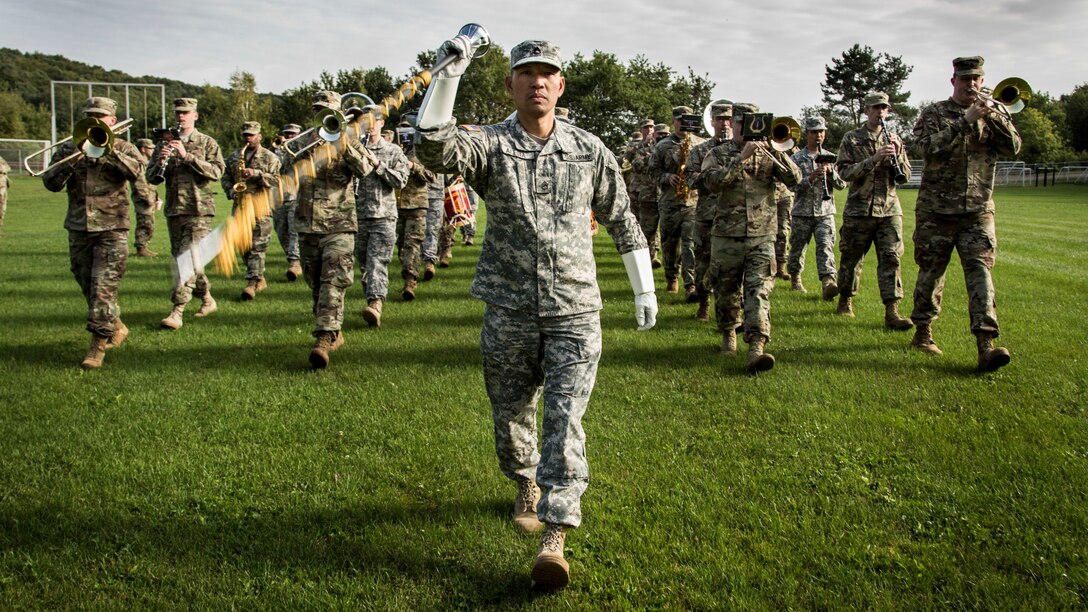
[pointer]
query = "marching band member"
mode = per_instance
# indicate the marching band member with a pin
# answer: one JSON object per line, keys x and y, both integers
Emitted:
{"x": 250, "y": 170}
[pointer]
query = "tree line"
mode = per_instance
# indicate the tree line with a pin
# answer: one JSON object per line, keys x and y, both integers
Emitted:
{"x": 605, "y": 96}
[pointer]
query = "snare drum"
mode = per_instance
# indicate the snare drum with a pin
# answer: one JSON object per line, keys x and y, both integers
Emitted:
{"x": 458, "y": 209}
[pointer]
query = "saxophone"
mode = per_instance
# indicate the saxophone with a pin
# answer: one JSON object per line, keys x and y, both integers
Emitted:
{"x": 240, "y": 184}
{"x": 681, "y": 189}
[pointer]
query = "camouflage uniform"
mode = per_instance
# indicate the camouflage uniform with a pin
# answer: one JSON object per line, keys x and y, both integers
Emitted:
{"x": 327, "y": 224}
{"x": 677, "y": 215}
{"x": 284, "y": 216}
{"x": 412, "y": 207}
{"x": 145, "y": 199}
{"x": 813, "y": 216}
{"x": 436, "y": 216}
{"x": 871, "y": 215}
{"x": 4, "y": 183}
{"x": 266, "y": 170}
{"x": 536, "y": 272}
{"x": 745, "y": 225}
{"x": 98, "y": 222}
{"x": 376, "y": 208}
{"x": 645, "y": 189}
{"x": 705, "y": 209}
{"x": 190, "y": 204}
{"x": 955, "y": 207}
{"x": 783, "y": 197}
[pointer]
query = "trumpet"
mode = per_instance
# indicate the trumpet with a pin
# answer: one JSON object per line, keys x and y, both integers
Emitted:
{"x": 329, "y": 125}
{"x": 91, "y": 137}
{"x": 1009, "y": 97}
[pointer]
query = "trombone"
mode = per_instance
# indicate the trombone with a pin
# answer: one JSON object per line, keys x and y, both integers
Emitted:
{"x": 329, "y": 125}
{"x": 1009, "y": 97}
{"x": 785, "y": 132}
{"x": 91, "y": 137}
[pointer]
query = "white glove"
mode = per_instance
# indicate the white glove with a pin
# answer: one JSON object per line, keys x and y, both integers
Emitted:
{"x": 437, "y": 107}
{"x": 641, "y": 274}
{"x": 459, "y": 46}
{"x": 646, "y": 310}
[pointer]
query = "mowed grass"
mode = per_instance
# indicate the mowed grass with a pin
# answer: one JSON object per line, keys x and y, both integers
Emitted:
{"x": 210, "y": 468}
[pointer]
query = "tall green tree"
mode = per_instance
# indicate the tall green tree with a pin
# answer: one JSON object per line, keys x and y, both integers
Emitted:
{"x": 1075, "y": 105}
{"x": 857, "y": 72}
{"x": 1042, "y": 139}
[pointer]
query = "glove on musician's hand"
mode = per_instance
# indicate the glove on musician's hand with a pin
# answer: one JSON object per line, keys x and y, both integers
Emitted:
{"x": 458, "y": 46}
{"x": 646, "y": 310}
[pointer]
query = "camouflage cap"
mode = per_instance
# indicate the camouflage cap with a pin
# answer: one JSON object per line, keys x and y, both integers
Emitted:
{"x": 404, "y": 123}
{"x": 875, "y": 98}
{"x": 145, "y": 143}
{"x": 251, "y": 127}
{"x": 100, "y": 106}
{"x": 661, "y": 128}
{"x": 815, "y": 124}
{"x": 184, "y": 105}
{"x": 291, "y": 128}
{"x": 681, "y": 110}
{"x": 721, "y": 108}
{"x": 646, "y": 123}
{"x": 562, "y": 111}
{"x": 540, "y": 51}
{"x": 741, "y": 109}
{"x": 326, "y": 99}
{"x": 968, "y": 66}
{"x": 388, "y": 133}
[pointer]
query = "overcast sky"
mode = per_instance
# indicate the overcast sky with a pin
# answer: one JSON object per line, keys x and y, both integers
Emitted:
{"x": 765, "y": 52}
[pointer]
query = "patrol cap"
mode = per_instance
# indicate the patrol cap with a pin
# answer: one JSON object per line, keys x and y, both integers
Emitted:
{"x": 661, "y": 128}
{"x": 968, "y": 66}
{"x": 291, "y": 128}
{"x": 540, "y": 51}
{"x": 326, "y": 99}
{"x": 184, "y": 105}
{"x": 636, "y": 135}
{"x": 875, "y": 98}
{"x": 375, "y": 109}
{"x": 646, "y": 123}
{"x": 815, "y": 124}
{"x": 721, "y": 108}
{"x": 250, "y": 128}
{"x": 145, "y": 143}
{"x": 562, "y": 111}
{"x": 100, "y": 105}
{"x": 741, "y": 109}
{"x": 404, "y": 123}
{"x": 387, "y": 133}
{"x": 681, "y": 110}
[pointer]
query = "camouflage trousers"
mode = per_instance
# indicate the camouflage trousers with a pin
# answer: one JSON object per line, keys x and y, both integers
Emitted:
{"x": 262, "y": 235}
{"x": 283, "y": 219}
{"x": 678, "y": 242}
{"x": 328, "y": 269}
{"x": 145, "y": 224}
{"x": 743, "y": 269}
{"x": 649, "y": 218}
{"x": 703, "y": 243}
{"x": 803, "y": 229}
{"x": 3, "y": 200}
{"x": 411, "y": 231}
{"x": 98, "y": 262}
{"x": 184, "y": 231}
{"x": 856, "y": 235}
{"x": 436, "y": 219}
{"x": 526, "y": 355}
{"x": 781, "y": 239}
{"x": 468, "y": 230}
{"x": 373, "y": 251}
{"x": 974, "y": 238}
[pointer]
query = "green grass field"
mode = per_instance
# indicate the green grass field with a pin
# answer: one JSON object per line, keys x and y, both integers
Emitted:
{"x": 210, "y": 468}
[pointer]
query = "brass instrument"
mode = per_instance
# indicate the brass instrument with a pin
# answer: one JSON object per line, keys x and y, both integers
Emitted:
{"x": 91, "y": 137}
{"x": 785, "y": 132}
{"x": 239, "y": 186}
{"x": 898, "y": 175}
{"x": 681, "y": 189}
{"x": 1009, "y": 97}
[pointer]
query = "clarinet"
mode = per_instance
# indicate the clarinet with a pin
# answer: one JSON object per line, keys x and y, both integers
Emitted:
{"x": 898, "y": 175}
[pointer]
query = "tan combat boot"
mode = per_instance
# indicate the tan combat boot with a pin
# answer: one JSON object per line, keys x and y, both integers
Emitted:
{"x": 673, "y": 286}
{"x": 428, "y": 270}
{"x": 655, "y": 263}
{"x": 294, "y": 270}
{"x": 831, "y": 289}
{"x": 894, "y": 320}
{"x": 326, "y": 343}
{"x": 143, "y": 251}
{"x": 923, "y": 340}
{"x": 525, "y": 506}
{"x": 409, "y": 291}
{"x": 691, "y": 294}
{"x": 758, "y": 361}
{"x": 703, "y": 314}
{"x": 729, "y": 343}
{"x": 990, "y": 358}
{"x": 468, "y": 241}
{"x": 250, "y": 291}
{"x": 173, "y": 320}
{"x": 846, "y": 306}
{"x": 95, "y": 354}
{"x": 550, "y": 570}
{"x": 795, "y": 285}
{"x": 782, "y": 273}
{"x": 120, "y": 333}
{"x": 444, "y": 258}
{"x": 208, "y": 305}
{"x": 372, "y": 314}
